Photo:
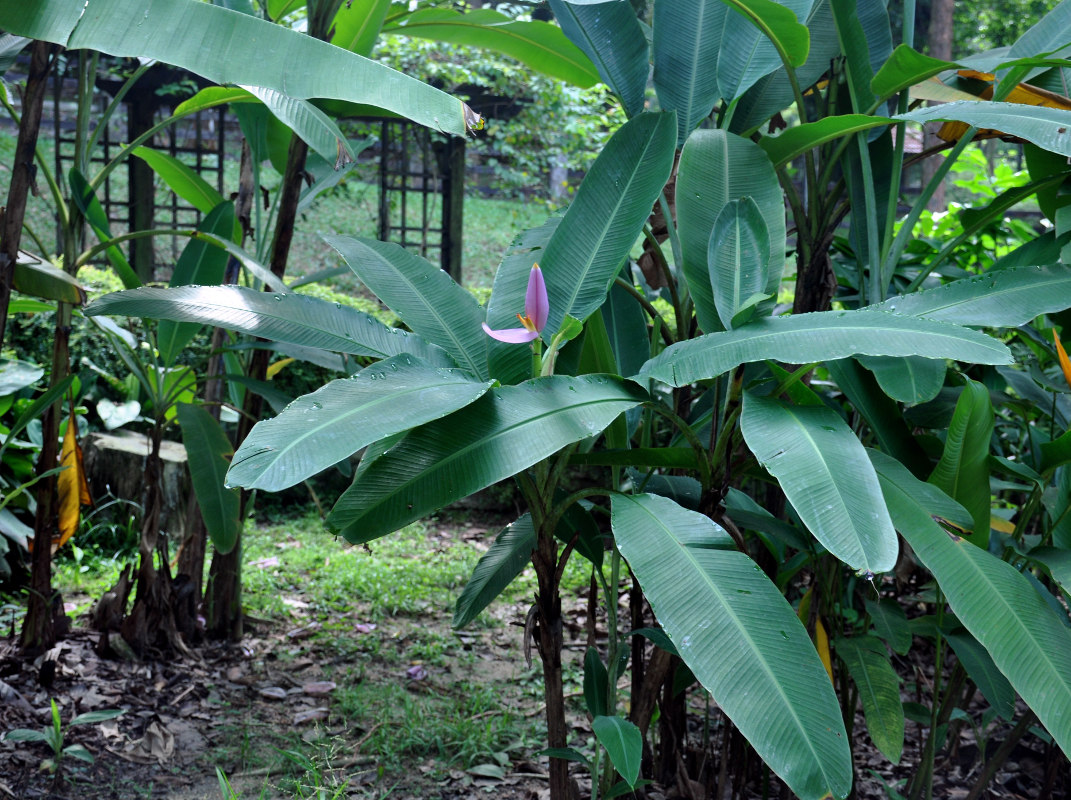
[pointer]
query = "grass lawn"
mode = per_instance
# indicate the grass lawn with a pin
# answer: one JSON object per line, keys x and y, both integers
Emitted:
{"x": 351, "y": 208}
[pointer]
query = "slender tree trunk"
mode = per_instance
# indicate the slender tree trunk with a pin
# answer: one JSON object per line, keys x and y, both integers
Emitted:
{"x": 22, "y": 171}
{"x": 224, "y": 587}
{"x": 38, "y": 633}
{"x": 939, "y": 35}
{"x": 191, "y": 560}
{"x": 816, "y": 282}
{"x": 551, "y": 640}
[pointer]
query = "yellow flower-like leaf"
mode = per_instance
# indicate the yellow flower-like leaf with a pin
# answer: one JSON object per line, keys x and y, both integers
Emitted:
{"x": 72, "y": 486}
{"x": 821, "y": 644}
{"x": 1065, "y": 362}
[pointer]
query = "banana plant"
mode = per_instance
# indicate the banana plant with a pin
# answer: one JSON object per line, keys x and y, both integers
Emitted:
{"x": 459, "y": 402}
{"x": 602, "y": 375}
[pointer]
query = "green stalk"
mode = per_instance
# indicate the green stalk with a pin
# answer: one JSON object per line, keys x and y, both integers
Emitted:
{"x": 100, "y": 247}
{"x": 128, "y": 84}
{"x": 869, "y": 201}
{"x": 903, "y": 236}
{"x": 645, "y": 304}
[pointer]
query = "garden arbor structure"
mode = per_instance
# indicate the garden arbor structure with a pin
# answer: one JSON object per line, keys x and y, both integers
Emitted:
{"x": 418, "y": 173}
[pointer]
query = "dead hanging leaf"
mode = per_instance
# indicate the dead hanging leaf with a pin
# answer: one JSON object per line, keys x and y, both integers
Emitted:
{"x": 71, "y": 484}
{"x": 821, "y": 644}
{"x": 1061, "y": 354}
{"x": 1024, "y": 94}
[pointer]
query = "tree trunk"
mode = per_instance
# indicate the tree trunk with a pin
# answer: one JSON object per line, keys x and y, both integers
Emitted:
{"x": 38, "y": 630}
{"x": 939, "y": 35}
{"x": 551, "y": 640}
{"x": 815, "y": 282}
{"x": 22, "y": 171}
{"x": 152, "y": 624}
{"x": 224, "y": 587}
{"x": 191, "y": 561}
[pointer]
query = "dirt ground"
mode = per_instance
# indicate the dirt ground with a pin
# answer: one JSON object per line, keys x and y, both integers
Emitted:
{"x": 181, "y": 716}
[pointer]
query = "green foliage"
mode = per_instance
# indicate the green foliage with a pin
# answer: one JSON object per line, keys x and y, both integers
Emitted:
{"x": 54, "y": 735}
{"x": 550, "y": 123}
{"x": 762, "y": 409}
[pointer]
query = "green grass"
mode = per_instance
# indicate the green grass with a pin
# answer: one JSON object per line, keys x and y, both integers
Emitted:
{"x": 351, "y": 209}
{"x": 465, "y": 713}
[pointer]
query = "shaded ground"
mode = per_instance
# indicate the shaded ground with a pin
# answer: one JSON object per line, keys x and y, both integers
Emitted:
{"x": 351, "y": 680}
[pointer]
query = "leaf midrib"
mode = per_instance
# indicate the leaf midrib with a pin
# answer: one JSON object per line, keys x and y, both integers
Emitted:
{"x": 458, "y": 453}
{"x": 342, "y": 417}
{"x": 623, "y": 193}
{"x": 446, "y": 328}
{"x": 747, "y": 636}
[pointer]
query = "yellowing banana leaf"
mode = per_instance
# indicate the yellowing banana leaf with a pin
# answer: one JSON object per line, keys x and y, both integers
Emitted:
{"x": 1023, "y": 94}
{"x": 72, "y": 486}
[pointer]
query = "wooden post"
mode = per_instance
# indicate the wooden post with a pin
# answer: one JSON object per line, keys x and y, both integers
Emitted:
{"x": 142, "y": 193}
{"x": 453, "y": 170}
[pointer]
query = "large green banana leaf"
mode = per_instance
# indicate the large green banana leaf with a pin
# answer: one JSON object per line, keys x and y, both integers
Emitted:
{"x": 208, "y": 449}
{"x": 798, "y": 139}
{"x": 738, "y": 257}
{"x": 334, "y": 422}
{"x": 626, "y": 327}
{"x": 507, "y": 557}
{"x": 507, "y": 430}
{"x": 909, "y": 379}
{"x": 39, "y": 278}
{"x": 1029, "y": 643}
{"x": 990, "y": 681}
{"x": 610, "y": 35}
{"x": 740, "y": 638}
{"x": 905, "y": 68}
{"x": 290, "y": 318}
{"x": 999, "y": 298}
{"x": 866, "y": 41}
{"x": 882, "y": 414}
{"x": 1049, "y": 128}
{"x": 773, "y": 93}
{"x": 181, "y": 179}
{"x": 963, "y": 471}
{"x": 311, "y": 124}
{"x": 715, "y": 168}
{"x": 879, "y": 689}
{"x": 890, "y": 623}
{"x": 357, "y": 25}
{"x": 603, "y": 222}
{"x": 427, "y": 299}
{"x": 687, "y": 38}
{"x": 228, "y": 47}
{"x": 511, "y": 552}
{"x": 748, "y": 52}
{"x": 85, "y": 199}
{"x": 826, "y": 475}
{"x": 536, "y": 44}
{"x": 821, "y": 336}
{"x": 200, "y": 263}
